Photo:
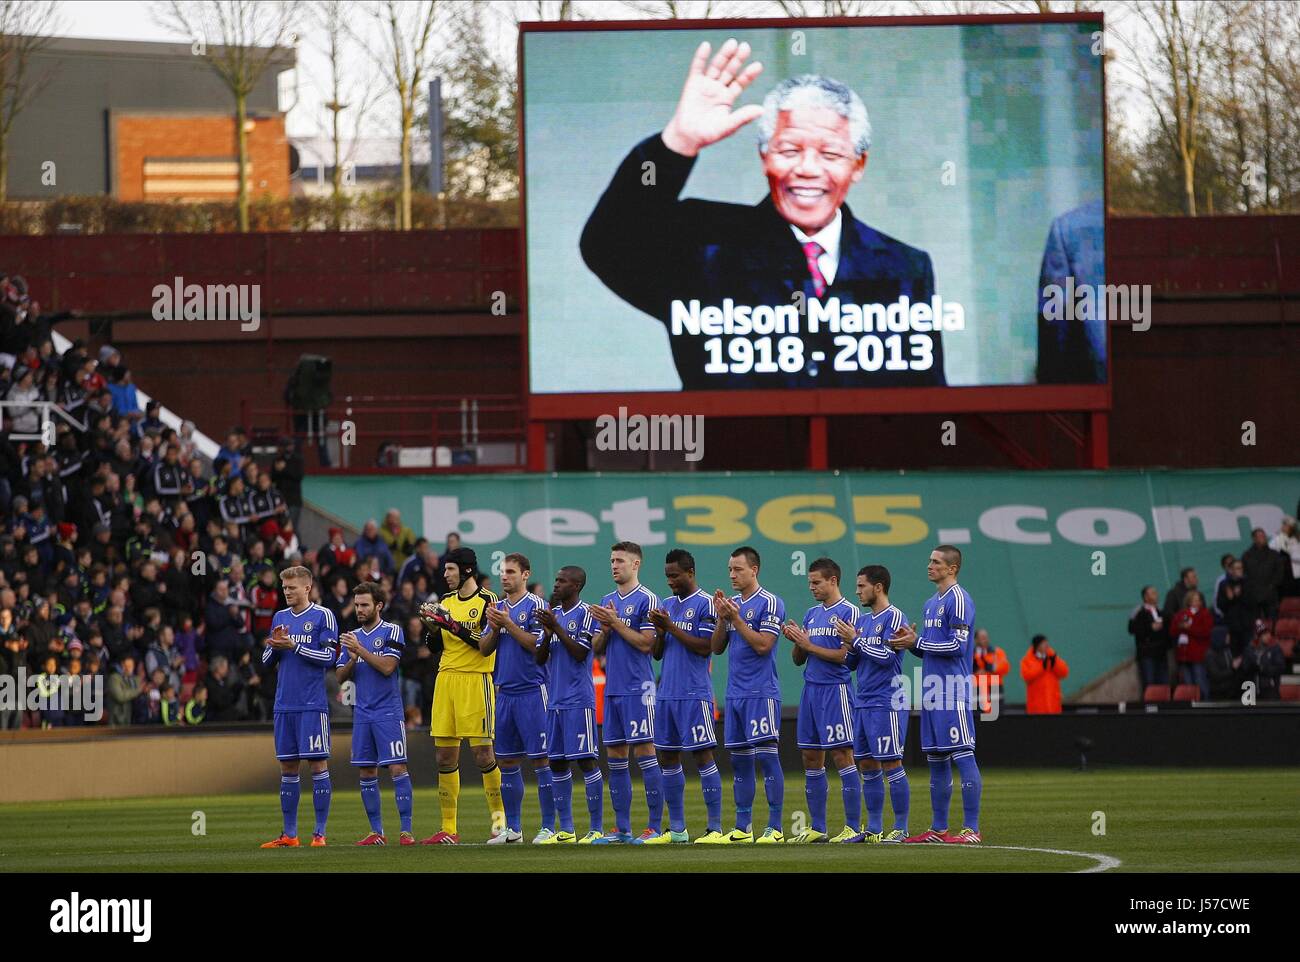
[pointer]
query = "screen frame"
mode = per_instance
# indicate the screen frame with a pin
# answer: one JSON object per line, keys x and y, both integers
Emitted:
{"x": 809, "y": 401}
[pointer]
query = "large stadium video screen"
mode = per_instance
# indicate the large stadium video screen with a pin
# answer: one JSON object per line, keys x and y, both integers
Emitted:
{"x": 804, "y": 206}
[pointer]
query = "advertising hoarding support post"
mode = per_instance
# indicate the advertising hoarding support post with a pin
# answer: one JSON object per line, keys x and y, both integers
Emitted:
{"x": 536, "y": 445}
{"x": 818, "y": 448}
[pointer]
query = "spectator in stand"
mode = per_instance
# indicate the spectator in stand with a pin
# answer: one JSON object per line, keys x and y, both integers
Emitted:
{"x": 335, "y": 554}
{"x": 286, "y": 474}
{"x": 399, "y": 538}
{"x": 196, "y": 709}
{"x": 123, "y": 689}
{"x": 1174, "y": 598}
{"x": 23, "y": 392}
{"x": 170, "y": 709}
{"x": 1223, "y": 670}
{"x": 1042, "y": 669}
{"x": 266, "y": 601}
{"x": 168, "y": 478}
{"x": 1234, "y": 609}
{"x": 370, "y": 545}
{"x": 1150, "y": 635}
{"x": 991, "y": 662}
{"x": 1287, "y": 543}
{"x": 1263, "y": 664}
{"x": 1226, "y": 564}
{"x": 402, "y": 608}
{"x": 231, "y": 452}
{"x": 163, "y": 656}
{"x": 1190, "y": 629}
{"x": 224, "y": 623}
{"x": 225, "y": 692}
{"x": 1263, "y": 568}
{"x": 13, "y": 656}
{"x": 418, "y": 667}
{"x": 339, "y": 601}
{"x": 188, "y": 646}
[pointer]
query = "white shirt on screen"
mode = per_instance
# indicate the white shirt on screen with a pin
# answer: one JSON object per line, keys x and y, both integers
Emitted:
{"x": 829, "y": 238}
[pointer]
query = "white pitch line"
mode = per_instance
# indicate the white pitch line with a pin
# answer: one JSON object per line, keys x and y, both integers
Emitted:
{"x": 1104, "y": 862}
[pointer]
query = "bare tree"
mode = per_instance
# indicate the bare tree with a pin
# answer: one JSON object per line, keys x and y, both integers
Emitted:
{"x": 694, "y": 9}
{"x": 238, "y": 39}
{"x": 1185, "y": 38}
{"x": 347, "y": 91}
{"x": 26, "y": 26}
{"x": 405, "y": 57}
{"x": 832, "y": 8}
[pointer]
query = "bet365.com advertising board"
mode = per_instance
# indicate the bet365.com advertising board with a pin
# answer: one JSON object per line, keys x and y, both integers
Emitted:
{"x": 809, "y": 206}
{"x": 1061, "y": 553}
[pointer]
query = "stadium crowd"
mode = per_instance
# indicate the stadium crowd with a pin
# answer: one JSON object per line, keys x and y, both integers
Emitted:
{"x": 126, "y": 553}
{"x": 1243, "y": 630}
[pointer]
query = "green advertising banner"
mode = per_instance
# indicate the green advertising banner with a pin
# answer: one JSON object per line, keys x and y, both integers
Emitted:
{"x": 1064, "y": 554}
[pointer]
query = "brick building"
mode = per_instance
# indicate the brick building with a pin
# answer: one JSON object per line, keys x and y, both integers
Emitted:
{"x": 143, "y": 121}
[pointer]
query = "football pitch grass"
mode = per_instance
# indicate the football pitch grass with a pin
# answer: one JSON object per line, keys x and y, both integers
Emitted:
{"x": 1155, "y": 820}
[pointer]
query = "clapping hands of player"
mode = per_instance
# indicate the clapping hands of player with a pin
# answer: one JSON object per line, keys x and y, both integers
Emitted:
{"x": 659, "y": 618}
{"x": 797, "y": 635}
{"x": 846, "y": 631}
{"x": 280, "y": 638}
{"x": 704, "y": 115}
{"x": 905, "y": 637}
{"x": 605, "y": 614}
{"x": 546, "y": 617}
{"x": 497, "y": 618}
{"x": 725, "y": 607}
{"x": 350, "y": 642}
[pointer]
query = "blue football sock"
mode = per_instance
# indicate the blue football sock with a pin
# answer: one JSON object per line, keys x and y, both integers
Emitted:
{"x": 814, "y": 789}
{"x": 321, "y": 792}
{"x": 596, "y": 797}
{"x": 940, "y": 790}
{"x": 289, "y": 792}
{"x": 653, "y": 777}
{"x": 512, "y": 797}
{"x": 620, "y": 794}
{"x": 971, "y": 787}
{"x": 545, "y": 797}
{"x": 742, "y": 766}
{"x": 675, "y": 796}
{"x": 370, "y": 802}
{"x": 851, "y": 789}
{"x": 773, "y": 783}
{"x": 711, "y": 786}
{"x": 873, "y": 792}
{"x": 402, "y": 795}
{"x": 562, "y": 786}
{"x": 900, "y": 796}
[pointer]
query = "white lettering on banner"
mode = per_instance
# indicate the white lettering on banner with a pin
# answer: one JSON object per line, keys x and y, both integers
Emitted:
{"x": 631, "y": 520}
{"x": 1173, "y": 522}
{"x": 444, "y": 514}
{"x": 1080, "y": 526}
{"x": 637, "y": 519}
{"x": 1003, "y": 524}
{"x": 558, "y": 526}
{"x": 692, "y": 318}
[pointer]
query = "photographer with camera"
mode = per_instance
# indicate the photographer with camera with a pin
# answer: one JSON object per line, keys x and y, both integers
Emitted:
{"x": 1042, "y": 669}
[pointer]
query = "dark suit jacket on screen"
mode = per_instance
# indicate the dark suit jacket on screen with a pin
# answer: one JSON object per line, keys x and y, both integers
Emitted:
{"x": 651, "y": 248}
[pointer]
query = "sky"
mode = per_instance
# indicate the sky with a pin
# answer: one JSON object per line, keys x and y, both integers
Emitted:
{"x": 304, "y": 91}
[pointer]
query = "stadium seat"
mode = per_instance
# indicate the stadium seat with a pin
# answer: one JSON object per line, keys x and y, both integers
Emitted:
{"x": 1287, "y": 628}
{"x": 1288, "y": 648}
{"x": 1290, "y": 608}
{"x": 1289, "y": 692}
{"x": 1156, "y": 693}
{"x": 1187, "y": 693}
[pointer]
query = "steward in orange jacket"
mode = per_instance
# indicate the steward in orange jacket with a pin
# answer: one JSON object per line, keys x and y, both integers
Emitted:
{"x": 989, "y": 660}
{"x": 1042, "y": 669}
